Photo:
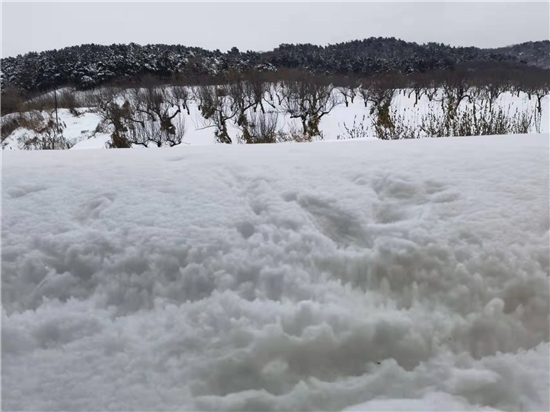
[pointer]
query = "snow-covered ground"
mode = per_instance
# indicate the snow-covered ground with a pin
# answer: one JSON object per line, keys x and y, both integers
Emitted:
{"x": 79, "y": 130}
{"x": 406, "y": 275}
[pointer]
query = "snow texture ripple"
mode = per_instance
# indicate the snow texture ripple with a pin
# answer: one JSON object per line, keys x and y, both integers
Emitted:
{"x": 409, "y": 275}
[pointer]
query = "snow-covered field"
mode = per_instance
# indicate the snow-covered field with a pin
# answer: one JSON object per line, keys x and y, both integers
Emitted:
{"x": 79, "y": 130}
{"x": 407, "y": 275}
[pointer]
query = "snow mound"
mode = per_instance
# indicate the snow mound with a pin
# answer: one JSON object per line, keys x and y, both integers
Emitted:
{"x": 409, "y": 275}
{"x": 436, "y": 401}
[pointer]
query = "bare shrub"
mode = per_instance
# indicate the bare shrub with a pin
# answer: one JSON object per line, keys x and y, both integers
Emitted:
{"x": 492, "y": 85}
{"x": 536, "y": 84}
{"x": 146, "y": 132}
{"x": 417, "y": 85}
{"x": 357, "y": 130}
{"x": 12, "y": 100}
{"x": 42, "y": 132}
{"x": 62, "y": 99}
{"x": 257, "y": 88}
{"x": 395, "y": 127}
{"x": 116, "y": 116}
{"x": 456, "y": 88}
{"x": 434, "y": 125}
{"x": 523, "y": 122}
{"x": 241, "y": 98}
{"x": 347, "y": 87}
{"x": 309, "y": 99}
{"x": 294, "y": 134}
{"x": 380, "y": 92}
{"x": 67, "y": 100}
{"x": 216, "y": 109}
{"x": 101, "y": 98}
{"x": 7, "y": 126}
{"x": 477, "y": 120}
{"x": 182, "y": 95}
{"x": 424, "y": 84}
{"x": 262, "y": 128}
{"x": 155, "y": 103}
{"x": 149, "y": 115}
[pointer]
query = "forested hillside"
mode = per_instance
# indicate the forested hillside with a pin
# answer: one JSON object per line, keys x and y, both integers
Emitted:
{"x": 536, "y": 53}
{"x": 90, "y": 65}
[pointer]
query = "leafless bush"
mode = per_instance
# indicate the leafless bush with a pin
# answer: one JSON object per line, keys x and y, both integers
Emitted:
{"x": 182, "y": 96}
{"x": 477, "y": 120}
{"x": 155, "y": 103}
{"x": 150, "y": 115}
{"x": 434, "y": 125}
{"x": 308, "y": 99}
{"x": 262, "y": 128}
{"x": 380, "y": 92}
{"x": 424, "y": 84}
{"x": 523, "y": 122}
{"x": 357, "y": 130}
{"x": 42, "y": 132}
{"x": 216, "y": 109}
{"x": 395, "y": 127}
{"x": 456, "y": 88}
{"x": 294, "y": 134}
{"x": 116, "y": 116}
{"x": 259, "y": 89}
{"x": 7, "y": 126}
{"x": 12, "y": 101}
{"x": 39, "y": 103}
{"x": 347, "y": 87}
{"x": 492, "y": 86}
{"x": 273, "y": 96}
{"x": 146, "y": 132}
{"x": 101, "y": 98}
{"x": 62, "y": 99}
{"x": 68, "y": 100}
{"x": 240, "y": 98}
{"x": 536, "y": 85}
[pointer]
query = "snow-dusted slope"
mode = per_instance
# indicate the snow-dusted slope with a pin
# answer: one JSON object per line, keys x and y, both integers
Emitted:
{"x": 78, "y": 130}
{"x": 408, "y": 275}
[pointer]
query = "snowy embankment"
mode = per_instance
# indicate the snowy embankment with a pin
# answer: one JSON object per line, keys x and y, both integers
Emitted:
{"x": 408, "y": 275}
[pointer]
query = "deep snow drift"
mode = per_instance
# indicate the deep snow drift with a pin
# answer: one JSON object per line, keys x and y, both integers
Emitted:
{"x": 408, "y": 275}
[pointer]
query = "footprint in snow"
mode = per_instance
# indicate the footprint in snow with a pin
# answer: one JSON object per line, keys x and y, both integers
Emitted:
{"x": 94, "y": 208}
{"x": 15, "y": 192}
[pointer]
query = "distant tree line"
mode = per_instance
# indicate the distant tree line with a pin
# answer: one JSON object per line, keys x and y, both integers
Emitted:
{"x": 92, "y": 65}
{"x": 535, "y": 53}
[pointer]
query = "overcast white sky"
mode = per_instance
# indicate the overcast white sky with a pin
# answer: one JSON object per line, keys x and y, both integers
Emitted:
{"x": 263, "y": 26}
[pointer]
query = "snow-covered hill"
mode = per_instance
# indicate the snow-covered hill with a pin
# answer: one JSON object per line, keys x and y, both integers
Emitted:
{"x": 93, "y": 65}
{"x": 409, "y": 275}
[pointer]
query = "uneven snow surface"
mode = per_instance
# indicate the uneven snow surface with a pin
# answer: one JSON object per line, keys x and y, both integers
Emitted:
{"x": 393, "y": 276}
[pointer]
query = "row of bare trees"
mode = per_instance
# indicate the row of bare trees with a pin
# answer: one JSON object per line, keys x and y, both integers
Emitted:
{"x": 151, "y": 112}
{"x": 254, "y": 106}
{"x": 480, "y": 116}
{"x": 143, "y": 115}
